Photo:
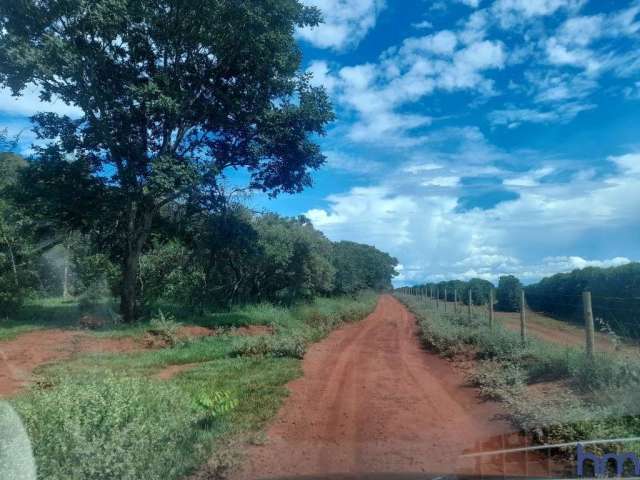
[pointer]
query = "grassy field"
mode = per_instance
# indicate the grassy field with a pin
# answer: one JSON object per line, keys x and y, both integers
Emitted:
{"x": 108, "y": 416}
{"x": 553, "y": 392}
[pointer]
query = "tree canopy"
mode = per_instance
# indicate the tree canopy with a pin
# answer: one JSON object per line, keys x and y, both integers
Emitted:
{"x": 171, "y": 95}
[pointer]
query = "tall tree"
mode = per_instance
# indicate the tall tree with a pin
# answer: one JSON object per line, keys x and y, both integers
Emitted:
{"x": 172, "y": 94}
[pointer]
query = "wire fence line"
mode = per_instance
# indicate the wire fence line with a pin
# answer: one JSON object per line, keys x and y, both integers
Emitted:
{"x": 593, "y": 322}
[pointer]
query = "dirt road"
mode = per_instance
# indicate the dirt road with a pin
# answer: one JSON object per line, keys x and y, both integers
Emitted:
{"x": 371, "y": 401}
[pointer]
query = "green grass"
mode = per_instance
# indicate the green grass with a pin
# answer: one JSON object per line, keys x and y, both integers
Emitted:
{"x": 591, "y": 398}
{"x": 107, "y": 416}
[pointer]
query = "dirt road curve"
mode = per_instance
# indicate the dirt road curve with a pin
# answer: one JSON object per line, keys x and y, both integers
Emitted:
{"x": 371, "y": 401}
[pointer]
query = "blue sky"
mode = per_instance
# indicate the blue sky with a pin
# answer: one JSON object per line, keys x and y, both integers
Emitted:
{"x": 473, "y": 137}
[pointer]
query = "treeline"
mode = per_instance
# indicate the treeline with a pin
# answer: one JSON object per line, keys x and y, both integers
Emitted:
{"x": 197, "y": 258}
{"x": 615, "y": 295}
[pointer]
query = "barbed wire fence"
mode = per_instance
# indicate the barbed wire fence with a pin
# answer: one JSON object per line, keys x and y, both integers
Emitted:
{"x": 607, "y": 322}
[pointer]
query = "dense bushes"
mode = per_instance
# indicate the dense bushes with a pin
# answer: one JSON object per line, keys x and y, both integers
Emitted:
{"x": 239, "y": 257}
{"x": 107, "y": 427}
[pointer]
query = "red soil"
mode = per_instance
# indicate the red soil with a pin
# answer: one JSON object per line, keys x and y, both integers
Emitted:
{"x": 372, "y": 400}
{"x": 173, "y": 370}
{"x": 20, "y": 357}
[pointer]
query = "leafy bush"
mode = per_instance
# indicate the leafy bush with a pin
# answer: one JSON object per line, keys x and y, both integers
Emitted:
{"x": 101, "y": 429}
{"x": 166, "y": 327}
{"x": 274, "y": 346}
{"x": 217, "y": 403}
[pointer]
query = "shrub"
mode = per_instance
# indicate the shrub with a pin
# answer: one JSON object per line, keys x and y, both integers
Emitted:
{"x": 274, "y": 346}
{"x": 166, "y": 327}
{"x": 100, "y": 429}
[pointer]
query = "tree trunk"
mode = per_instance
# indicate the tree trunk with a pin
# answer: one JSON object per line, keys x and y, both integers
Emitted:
{"x": 138, "y": 231}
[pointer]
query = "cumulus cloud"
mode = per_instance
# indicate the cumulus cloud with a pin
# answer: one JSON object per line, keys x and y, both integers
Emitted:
{"x": 346, "y": 22}
{"x": 513, "y": 117}
{"x": 433, "y": 240}
{"x": 378, "y": 92}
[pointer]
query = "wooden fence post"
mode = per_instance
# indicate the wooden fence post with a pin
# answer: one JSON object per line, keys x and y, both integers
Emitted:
{"x": 445, "y": 299}
{"x": 491, "y": 308}
{"x": 523, "y": 319}
{"x": 470, "y": 302}
{"x": 455, "y": 301}
{"x": 588, "y": 322}
{"x": 437, "y": 299}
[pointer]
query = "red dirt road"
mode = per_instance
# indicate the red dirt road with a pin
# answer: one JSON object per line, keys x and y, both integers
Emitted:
{"x": 373, "y": 401}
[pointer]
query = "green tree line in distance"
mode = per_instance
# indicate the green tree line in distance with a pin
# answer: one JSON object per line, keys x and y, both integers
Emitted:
{"x": 615, "y": 295}
{"x": 196, "y": 258}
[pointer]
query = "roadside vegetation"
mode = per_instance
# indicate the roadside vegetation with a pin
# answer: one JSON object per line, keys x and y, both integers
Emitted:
{"x": 553, "y": 393}
{"x": 110, "y": 416}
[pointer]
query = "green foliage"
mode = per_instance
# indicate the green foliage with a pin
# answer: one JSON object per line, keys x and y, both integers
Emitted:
{"x": 508, "y": 294}
{"x": 101, "y": 415}
{"x": 360, "y": 267}
{"x": 106, "y": 427}
{"x": 217, "y": 403}
{"x": 235, "y": 256}
{"x": 276, "y": 346}
{"x": 308, "y": 323}
{"x": 166, "y": 327}
{"x": 598, "y": 398}
{"x": 615, "y": 295}
{"x": 210, "y": 86}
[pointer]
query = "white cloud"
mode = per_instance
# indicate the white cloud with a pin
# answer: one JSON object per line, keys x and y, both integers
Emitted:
{"x": 423, "y": 25}
{"x": 513, "y": 117}
{"x": 445, "y": 181}
{"x": 352, "y": 164}
{"x": 530, "y": 179}
{"x": 434, "y": 240}
{"x": 321, "y": 77}
{"x": 29, "y": 103}
{"x": 511, "y": 12}
{"x": 377, "y": 93}
{"x": 346, "y": 22}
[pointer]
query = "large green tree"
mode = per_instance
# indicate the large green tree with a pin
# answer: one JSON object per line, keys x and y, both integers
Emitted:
{"x": 172, "y": 94}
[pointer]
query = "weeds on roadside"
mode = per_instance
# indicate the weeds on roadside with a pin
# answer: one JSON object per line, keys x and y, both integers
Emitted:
{"x": 600, "y": 396}
{"x": 166, "y": 327}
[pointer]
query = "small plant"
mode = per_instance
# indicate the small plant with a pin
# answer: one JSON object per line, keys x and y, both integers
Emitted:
{"x": 607, "y": 329}
{"x": 217, "y": 403}
{"x": 166, "y": 327}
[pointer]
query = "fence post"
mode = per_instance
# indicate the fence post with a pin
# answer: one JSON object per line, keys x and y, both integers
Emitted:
{"x": 491, "y": 308}
{"x": 523, "y": 319}
{"x": 445, "y": 299}
{"x": 470, "y": 301}
{"x": 588, "y": 322}
{"x": 437, "y": 299}
{"x": 455, "y": 301}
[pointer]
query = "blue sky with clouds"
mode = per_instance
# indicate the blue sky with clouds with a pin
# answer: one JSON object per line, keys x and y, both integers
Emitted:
{"x": 473, "y": 137}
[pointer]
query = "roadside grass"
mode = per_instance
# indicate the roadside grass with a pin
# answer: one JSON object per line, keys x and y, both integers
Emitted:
{"x": 589, "y": 399}
{"x": 107, "y": 416}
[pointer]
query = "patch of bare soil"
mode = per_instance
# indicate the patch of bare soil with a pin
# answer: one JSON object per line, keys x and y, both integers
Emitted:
{"x": 173, "y": 370}
{"x": 373, "y": 401}
{"x": 19, "y": 357}
{"x": 562, "y": 333}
